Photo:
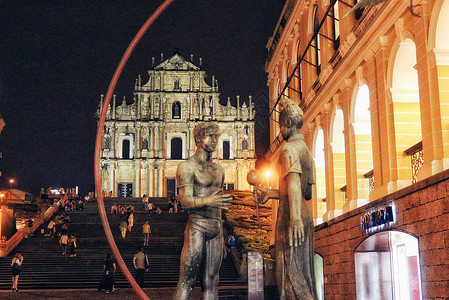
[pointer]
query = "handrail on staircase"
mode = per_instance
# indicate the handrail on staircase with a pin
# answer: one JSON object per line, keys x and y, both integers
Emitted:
{"x": 26, "y": 231}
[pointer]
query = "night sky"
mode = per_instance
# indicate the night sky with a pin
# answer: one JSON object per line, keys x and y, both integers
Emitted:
{"x": 57, "y": 57}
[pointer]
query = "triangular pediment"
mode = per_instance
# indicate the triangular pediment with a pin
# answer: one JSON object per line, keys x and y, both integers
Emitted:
{"x": 176, "y": 62}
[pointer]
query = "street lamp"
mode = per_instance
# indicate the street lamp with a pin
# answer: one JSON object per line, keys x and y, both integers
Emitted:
{"x": 267, "y": 175}
{"x": 11, "y": 181}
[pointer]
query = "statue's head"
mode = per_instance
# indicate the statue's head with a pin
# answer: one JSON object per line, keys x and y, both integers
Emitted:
{"x": 200, "y": 130}
{"x": 291, "y": 114}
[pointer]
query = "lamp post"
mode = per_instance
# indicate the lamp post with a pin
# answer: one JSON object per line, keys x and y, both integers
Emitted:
{"x": 11, "y": 181}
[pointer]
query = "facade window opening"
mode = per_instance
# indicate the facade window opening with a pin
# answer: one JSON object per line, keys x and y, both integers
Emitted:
{"x": 126, "y": 149}
{"x": 176, "y": 110}
{"x": 363, "y": 143}
{"x": 298, "y": 70}
{"x": 387, "y": 267}
{"x": 226, "y": 150}
{"x": 177, "y": 86}
{"x": 287, "y": 90}
{"x": 335, "y": 14}
{"x": 316, "y": 40}
{"x": 359, "y": 12}
{"x": 176, "y": 148}
{"x": 320, "y": 170}
{"x": 339, "y": 160}
{"x": 145, "y": 144}
{"x": 107, "y": 143}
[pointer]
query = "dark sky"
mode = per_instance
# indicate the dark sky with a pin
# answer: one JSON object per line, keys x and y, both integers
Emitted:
{"x": 57, "y": 57}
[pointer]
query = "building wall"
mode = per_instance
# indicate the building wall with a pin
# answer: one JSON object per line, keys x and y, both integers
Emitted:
{"x": 394, "y": 56}
{"x": 422, "y": 210}
{"x": 144, "y": 141}
{"x": 384, "y": 85}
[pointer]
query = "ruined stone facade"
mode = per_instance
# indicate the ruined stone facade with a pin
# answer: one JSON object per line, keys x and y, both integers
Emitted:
{"x": 144, "y": 142}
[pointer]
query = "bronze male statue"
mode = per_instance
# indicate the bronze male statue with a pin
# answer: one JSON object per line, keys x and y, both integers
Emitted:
{"x": 294, "y": 241}
{"x": 200, "y": 185}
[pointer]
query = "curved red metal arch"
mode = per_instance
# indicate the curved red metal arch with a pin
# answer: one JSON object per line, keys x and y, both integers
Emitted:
{"x": 97, "y": 167}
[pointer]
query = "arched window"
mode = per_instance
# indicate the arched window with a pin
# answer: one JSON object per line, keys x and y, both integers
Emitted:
{"x": 387, "y": 264}
{"x": 176, "y": 148}
{"x": 226, "y": 150}
{"x": 176, "y": 110}
{"x": 126, "y": 149}
{"x": 145, "y": 144}
{"x": 363, "y": 145}
{"x": 406, "y": 106}
{"x": 316, "y": 40}
{"x": 320, "y": 170}
{"x": 339, "y": 162}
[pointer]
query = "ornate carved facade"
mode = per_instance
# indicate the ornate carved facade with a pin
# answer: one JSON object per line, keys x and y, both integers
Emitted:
{"x": 144, "y": 141}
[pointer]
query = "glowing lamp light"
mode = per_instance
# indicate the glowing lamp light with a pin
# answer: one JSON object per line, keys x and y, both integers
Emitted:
{"x": 267, "y": 173}
{"x": 2, "y": 195}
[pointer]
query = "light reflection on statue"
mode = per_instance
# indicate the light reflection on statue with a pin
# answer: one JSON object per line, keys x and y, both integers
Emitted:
{"x": 200, "y": 185}
{"x": 294, "y": 237}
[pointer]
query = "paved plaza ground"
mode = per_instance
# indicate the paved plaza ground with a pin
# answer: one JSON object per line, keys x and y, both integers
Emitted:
{"x": 119, "y": 294}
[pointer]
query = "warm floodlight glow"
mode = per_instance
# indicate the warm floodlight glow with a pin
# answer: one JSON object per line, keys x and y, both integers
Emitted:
{"x": 267, "y": 174}
{"x": 2, "y": 195}
{"x": 11, "y": 181}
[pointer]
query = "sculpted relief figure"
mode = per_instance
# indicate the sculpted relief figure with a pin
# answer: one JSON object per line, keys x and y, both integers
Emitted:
{"x": 200, "y": 186}
{"x": 294, "y": 237}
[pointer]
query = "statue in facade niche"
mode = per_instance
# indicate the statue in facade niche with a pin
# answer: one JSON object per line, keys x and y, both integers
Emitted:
{"x": 200, "y": 188}
{"x": 294, "y": 236}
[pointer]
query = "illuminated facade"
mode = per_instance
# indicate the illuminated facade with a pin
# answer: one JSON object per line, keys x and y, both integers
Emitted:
{"x": 145, "y": 141}
{"x": 374, "y": 87}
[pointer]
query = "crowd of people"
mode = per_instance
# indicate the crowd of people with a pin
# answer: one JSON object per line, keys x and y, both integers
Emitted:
{"x": 73, "y": 202}
{"x": 174, "y": 205}
{"x": 122, "y": 209}
{"x": 58, "y": 228}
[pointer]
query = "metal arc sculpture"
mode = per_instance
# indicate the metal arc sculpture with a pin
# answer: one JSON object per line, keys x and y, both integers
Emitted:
{"x": 100, "y": 128}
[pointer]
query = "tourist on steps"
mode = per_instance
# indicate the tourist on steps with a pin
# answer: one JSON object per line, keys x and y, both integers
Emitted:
{"x": 72, "y": 245}
{"x": 141, "y": 264}
{"x": 63, "y": 242}
{"x": 146, "y": 230}
{"x": 123, "y": 226}
{"x": 108, "y": 280}
{"x": 130, "y": 221}
{"x": 16, "y": 266}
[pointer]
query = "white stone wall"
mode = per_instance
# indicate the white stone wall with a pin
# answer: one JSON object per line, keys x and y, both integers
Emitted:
{"x": 169, "y": 105}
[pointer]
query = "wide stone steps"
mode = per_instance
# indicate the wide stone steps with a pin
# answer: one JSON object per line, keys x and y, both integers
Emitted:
{"x": 45, "y": 268}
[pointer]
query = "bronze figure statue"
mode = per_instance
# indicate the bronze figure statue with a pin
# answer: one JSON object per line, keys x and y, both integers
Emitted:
{"x": 294, "y": 236}
{"x": 200, "y": 186}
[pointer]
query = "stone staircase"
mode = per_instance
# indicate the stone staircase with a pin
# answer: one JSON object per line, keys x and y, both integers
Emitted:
{"x": 45, "y": 268}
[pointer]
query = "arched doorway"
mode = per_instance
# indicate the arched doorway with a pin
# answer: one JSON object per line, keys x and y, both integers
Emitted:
{"x": 387, "y": 267}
